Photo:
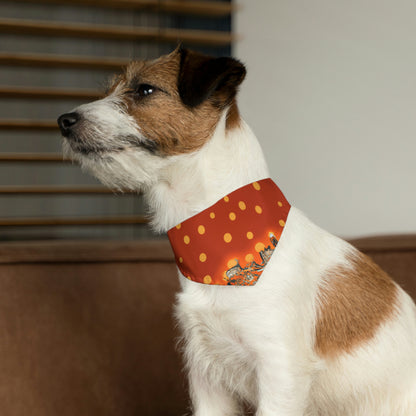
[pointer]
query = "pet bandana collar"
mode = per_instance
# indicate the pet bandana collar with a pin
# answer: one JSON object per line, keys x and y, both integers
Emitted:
{"x": 231, "y": 242}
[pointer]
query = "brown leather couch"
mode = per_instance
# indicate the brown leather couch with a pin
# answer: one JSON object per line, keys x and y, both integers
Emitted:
{"x": 86, "y": 328}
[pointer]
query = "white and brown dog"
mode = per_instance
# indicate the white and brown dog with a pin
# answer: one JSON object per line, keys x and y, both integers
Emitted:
{"x": 324, "y": 331}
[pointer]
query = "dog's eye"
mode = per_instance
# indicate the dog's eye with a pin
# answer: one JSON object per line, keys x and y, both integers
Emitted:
{"x": 143, "y": 90}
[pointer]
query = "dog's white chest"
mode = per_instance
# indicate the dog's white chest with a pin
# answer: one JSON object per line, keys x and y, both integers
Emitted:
{"x": 217, "y": 338}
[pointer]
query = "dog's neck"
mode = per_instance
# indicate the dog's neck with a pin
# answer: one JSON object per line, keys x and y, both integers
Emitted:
{"x": 190, "y": 183}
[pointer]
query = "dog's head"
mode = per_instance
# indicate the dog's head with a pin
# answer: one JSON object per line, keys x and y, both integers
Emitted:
{"x": 154, "y": 111}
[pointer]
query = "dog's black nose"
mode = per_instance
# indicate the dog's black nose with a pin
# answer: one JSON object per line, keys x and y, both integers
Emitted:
{"x": 67, "y": 121}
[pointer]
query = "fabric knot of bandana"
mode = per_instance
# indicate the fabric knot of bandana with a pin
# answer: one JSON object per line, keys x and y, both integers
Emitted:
{"x": 231, "y": 242}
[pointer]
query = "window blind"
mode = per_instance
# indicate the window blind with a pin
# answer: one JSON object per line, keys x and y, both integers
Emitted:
{"x": 55, "y": 55}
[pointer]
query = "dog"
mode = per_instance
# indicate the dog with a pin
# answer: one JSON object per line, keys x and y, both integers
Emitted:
{"x": 304, "y": 324}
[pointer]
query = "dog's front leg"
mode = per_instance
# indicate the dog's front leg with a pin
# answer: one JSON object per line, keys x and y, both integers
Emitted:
{"x": 283, "y": 386}
{"x": 209, "y": 399}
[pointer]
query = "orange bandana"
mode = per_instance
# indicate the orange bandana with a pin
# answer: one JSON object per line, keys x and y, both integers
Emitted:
{"x": 231, "y": 242}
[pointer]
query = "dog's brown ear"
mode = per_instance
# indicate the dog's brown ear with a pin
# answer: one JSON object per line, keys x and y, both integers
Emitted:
{"x": 202, "y": 77}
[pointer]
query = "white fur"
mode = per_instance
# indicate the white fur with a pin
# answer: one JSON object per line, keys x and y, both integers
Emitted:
{"x": 257, "y": 343}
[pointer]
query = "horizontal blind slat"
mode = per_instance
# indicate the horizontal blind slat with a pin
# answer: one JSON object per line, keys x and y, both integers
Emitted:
{"x": 60, "y": 190}
{"x": 63, "y": 29}
{"x": 48, "y": 93}
{"x": 68, "y": 221}
{"x": 61, "y": 61}
{"x": 202, "y": 8}
{"x": 17, "y": 124}
{"x": 32, "y": 157}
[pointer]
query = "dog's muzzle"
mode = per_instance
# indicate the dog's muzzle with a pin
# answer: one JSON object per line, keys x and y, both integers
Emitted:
{"x": 67, "y": 123}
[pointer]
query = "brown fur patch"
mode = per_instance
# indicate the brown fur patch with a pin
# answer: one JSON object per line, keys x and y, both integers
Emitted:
{"x": 233, "y": 116}
{"x": 162, "y": 117}
{"x": 353, "y": 303}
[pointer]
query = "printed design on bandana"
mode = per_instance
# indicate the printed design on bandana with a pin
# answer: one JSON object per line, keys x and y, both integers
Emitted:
{"x": 248, "y": 275}
{"x": 231, "y": 242}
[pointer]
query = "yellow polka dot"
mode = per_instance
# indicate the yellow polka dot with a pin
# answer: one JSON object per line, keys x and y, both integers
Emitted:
{"x": 250, "y": 235}
{"x": 179, "y": 226}
{"x": 242, "y": 205}
{"x": 249, "y": 258}
{"x": 259, "y": 247}
{"x": 282, "y": 223}
{"x": 232, "y": 216}
{"x": 202, "y": 257}
{"x": 280, "y": 204}
{"x": 256, "y": 186}
{"x": 207, "y": 279}
{"x": 201, "y": 229}
{"x": 227, "y": 237}
{"x": 180, "y": 260}
{"x": 186, "y": 239}
{"x": 226, "y": 199}
{"x": 232, "y": 263}
{"x": 258, "y": 209}
{"x": 212, "y": 215}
